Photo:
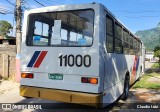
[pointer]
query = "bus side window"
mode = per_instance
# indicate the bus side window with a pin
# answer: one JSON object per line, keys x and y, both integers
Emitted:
{"x": 118, "y": 39}
{"x": 131, "y": 45}
{"x": 126, "y": 39}
{"x": 139, "y": 50}
{"x": 109, "y": 35}
{"x": 135, "y": 46}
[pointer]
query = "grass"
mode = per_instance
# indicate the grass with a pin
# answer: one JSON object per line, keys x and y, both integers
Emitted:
{"x": 144, "y": 83}
{"x": 155, "y": 65}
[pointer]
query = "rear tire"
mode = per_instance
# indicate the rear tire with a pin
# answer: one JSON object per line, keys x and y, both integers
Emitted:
{"x": 126, "y": 89}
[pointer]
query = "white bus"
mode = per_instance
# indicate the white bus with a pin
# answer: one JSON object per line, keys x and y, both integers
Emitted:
{"x": 78, "y": 54}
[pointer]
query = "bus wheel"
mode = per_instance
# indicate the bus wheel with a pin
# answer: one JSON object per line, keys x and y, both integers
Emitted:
{"x": 126, "y": 89}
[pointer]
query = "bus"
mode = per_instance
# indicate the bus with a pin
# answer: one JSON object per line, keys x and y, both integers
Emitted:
{"x": 78, "y": 54}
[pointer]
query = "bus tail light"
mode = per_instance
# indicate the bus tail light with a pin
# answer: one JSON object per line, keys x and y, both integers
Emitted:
{"x": 94, "y": 81}
{"x": 90, "y": 80}
{"x": 27, "y": 75}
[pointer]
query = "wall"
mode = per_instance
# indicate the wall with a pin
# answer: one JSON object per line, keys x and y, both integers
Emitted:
{"x": 7, "y": 61}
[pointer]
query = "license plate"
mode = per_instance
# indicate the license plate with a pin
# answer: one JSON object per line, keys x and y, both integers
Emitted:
{"x": 55, "y": 76}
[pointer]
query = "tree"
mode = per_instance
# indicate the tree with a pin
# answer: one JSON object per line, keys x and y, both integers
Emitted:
{"x": 157, "y": 52}
{"x": 158, "y": 25}
{"x": 5, "y": 27}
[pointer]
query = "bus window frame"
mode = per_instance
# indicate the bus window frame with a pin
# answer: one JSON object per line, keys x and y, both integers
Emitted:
{"x": 117, "y": 38}
{"x": 127, "y": 35}
{"x": 42, "y": 36}
{"x": 108, "y": 16}
{"x": 49, "y": 43}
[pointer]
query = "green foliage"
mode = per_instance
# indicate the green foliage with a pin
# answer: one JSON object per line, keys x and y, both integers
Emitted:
{"x": 158, "y": 25}
{"x": 157, "y": 52}
{"x": 145, "y": 83}
{"x": 155, "y": 65}
{"x": 5, "y": 27}
{"x": 150, "y": 38}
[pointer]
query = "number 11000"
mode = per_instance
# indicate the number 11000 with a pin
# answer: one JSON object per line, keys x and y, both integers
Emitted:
{"x": 78, "y": 60}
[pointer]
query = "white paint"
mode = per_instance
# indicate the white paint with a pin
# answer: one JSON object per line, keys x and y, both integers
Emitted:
{"x": 56, "y": 37}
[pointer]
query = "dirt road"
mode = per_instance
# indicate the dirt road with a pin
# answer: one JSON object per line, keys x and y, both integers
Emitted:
{"x": 148, "y": 65}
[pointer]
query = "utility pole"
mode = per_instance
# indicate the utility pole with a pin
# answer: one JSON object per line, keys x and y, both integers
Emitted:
{"x": 18, "y": 16}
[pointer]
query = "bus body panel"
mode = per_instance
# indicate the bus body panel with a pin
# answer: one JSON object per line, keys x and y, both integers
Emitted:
{"x": 114, "y": 79}
{"x": 51, "y": 62}
{"x": 143, "y": 58}
{"x": 116, "y": 67}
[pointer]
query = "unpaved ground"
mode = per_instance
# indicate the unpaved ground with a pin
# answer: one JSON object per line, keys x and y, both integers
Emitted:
{"x": 155, "y": 79}
{"x": 148, "y": 65}
{"x": 6, "y": 86}
{"x": 146, "y": 95}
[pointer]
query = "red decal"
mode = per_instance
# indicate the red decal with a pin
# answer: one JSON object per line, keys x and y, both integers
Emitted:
{"x": 133, "y": 77}
{"x": 134, "y": 66}
{"x": 40, "y": 59}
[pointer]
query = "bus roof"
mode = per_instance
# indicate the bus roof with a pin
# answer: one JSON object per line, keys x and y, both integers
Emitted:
{"x": 125, "y": 27}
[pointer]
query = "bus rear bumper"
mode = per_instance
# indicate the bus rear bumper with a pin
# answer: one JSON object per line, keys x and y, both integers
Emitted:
{"x": 62, "y": 95}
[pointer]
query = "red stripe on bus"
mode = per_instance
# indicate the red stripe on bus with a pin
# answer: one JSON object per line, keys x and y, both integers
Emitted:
{"x": 133, "y": 76}
{"x": 40, "y": 59}
{"x": 135, "y": 65}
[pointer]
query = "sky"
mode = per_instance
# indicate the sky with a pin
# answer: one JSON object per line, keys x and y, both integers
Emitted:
{"x": 137, "y": 15}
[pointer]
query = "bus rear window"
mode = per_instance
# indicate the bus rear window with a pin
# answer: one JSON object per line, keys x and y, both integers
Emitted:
{"x": 69, "y": 28}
